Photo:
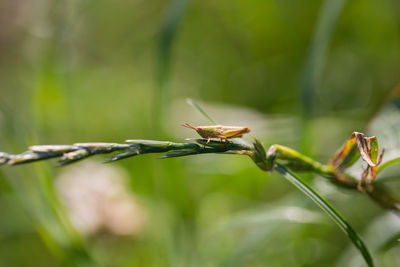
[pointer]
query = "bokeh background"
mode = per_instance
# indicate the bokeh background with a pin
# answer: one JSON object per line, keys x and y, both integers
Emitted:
{"x": 301, "y": 74}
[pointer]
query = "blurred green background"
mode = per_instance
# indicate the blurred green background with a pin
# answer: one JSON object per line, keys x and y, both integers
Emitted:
{"x": 301, "y": 74}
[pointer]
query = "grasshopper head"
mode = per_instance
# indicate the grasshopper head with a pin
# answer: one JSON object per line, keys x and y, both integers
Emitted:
{"x": 246, "y": 130}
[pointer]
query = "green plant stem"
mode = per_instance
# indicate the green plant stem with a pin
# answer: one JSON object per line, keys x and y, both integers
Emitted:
{"x": 72, "y": 153}
{"x": 277, "y": 154}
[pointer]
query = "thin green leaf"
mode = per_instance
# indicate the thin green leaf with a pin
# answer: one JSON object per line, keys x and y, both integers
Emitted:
{"x": 390, "y": 243}
{"x": 388, "y": 163}
{"x": 126, "y": 154}
{"x": 199, "y": 109}
{"x": 325, "y": 206}
{"x": 178, "y": 153}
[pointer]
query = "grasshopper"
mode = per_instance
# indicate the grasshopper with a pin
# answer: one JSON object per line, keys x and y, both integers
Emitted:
{"x": 218, "y": 131}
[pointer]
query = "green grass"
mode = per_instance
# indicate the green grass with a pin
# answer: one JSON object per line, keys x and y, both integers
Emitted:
{"x": 100, "y": 71}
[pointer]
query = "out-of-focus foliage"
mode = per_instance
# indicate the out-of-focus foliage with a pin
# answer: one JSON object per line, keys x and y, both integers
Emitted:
{"x": 84, "y": 71}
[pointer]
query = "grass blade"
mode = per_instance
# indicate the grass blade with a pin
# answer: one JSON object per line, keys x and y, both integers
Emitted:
{"x": 315, "y": 61}
{"x": 169, "y": 28}
{"x": 325, "y": 206}
{"x": 199, "y": 109}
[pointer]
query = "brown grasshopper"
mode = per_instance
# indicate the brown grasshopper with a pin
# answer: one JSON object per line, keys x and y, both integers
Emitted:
{"x": 218, "y": 131}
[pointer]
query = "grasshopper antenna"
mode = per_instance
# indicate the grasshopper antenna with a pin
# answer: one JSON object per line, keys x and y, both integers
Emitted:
{"x": 187, "y": 125}
{"x": 199, "y": 109}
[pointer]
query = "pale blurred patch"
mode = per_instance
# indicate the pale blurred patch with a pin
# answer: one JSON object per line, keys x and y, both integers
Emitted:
{"x": 97, "y": 197}
{"x": 14, "y": 15}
